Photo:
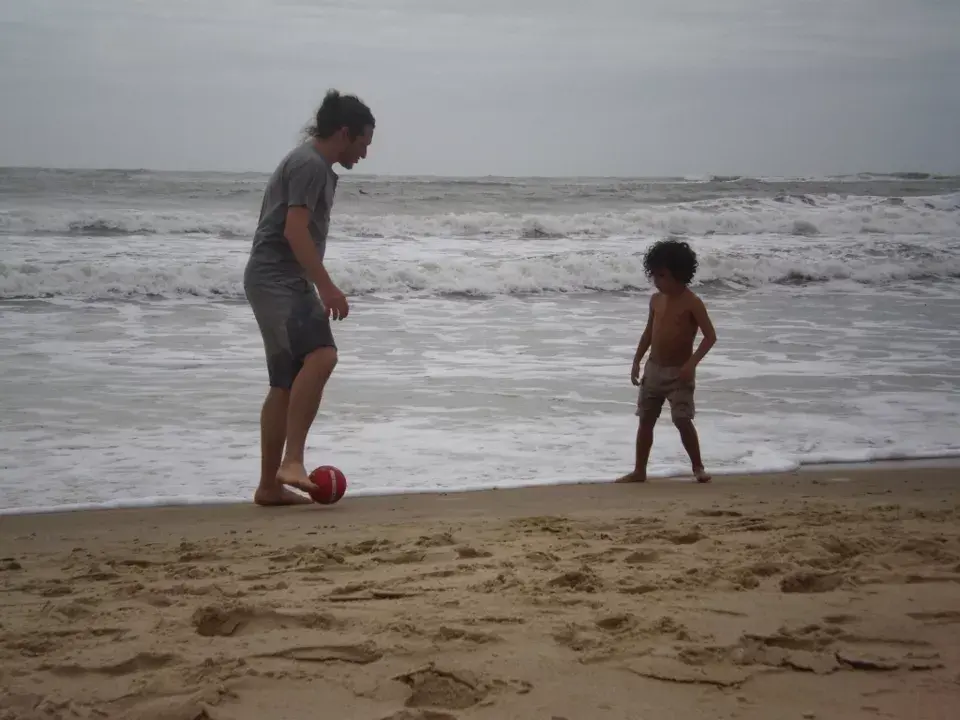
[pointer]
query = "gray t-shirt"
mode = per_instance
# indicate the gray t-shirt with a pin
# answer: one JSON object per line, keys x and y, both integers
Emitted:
{"x": 302, "y": 178}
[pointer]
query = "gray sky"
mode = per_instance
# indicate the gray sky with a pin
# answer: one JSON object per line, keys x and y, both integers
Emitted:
{"x": 501, "y": 87}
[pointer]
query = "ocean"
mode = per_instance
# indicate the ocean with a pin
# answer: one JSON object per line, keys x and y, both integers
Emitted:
{"x": 493, "y": 322}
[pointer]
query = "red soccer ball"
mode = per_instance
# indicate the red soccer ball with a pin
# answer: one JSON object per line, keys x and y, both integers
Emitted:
{"x": 331, "y": 484}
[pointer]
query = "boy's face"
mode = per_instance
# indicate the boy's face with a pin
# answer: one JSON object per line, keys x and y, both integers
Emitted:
{"x": 664, "y": 281}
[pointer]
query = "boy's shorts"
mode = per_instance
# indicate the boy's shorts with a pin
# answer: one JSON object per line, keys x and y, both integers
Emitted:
{"x": 661, "y": 383}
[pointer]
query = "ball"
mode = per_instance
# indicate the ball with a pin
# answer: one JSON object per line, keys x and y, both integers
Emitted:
{"x": 331, "y": 484}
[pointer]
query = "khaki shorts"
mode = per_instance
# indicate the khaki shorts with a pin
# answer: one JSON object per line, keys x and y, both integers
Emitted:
{"x": 661, "y": 383}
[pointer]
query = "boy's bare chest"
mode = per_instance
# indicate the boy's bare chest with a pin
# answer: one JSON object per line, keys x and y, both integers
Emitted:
{"x": 673, "y": 319}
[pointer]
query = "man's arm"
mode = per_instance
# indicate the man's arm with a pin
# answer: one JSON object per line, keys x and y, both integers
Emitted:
{"x": 304, "y": 186}
{"x": 297, "y": 232}
{"x": 702, "y": 318}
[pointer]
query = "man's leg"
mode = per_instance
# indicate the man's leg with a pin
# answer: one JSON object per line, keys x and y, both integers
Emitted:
{"x": 273, "y": 435}
{"x": 305, "y": 396}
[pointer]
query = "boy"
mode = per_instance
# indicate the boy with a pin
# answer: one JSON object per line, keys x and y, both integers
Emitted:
{"x": 676, "y": 314}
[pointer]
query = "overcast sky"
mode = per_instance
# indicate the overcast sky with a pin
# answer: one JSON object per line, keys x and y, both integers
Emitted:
{"x": 499, "y": 87}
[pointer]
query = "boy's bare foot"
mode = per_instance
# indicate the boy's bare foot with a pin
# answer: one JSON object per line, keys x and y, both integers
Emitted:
{"x": 632, "y": 477}
{"x": 295, "y": 475}
{"x": 702, "y": 475}
{"x": 270, "y": 497}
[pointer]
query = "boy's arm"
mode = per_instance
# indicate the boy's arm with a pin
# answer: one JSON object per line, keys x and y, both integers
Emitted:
{"x": 643, "y": 345}
{"x": 702, "y": 319}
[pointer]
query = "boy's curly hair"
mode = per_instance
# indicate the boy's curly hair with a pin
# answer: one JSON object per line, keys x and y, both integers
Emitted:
{"x": 676, "y": 256}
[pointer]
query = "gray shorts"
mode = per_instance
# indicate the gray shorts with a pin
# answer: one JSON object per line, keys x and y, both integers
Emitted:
{"x": 293, "y": 324}
{"x": 661, "y": 383}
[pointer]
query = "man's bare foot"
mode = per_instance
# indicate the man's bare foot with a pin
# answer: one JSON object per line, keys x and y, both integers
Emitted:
{"x": 279, "y": 495}
{"x": 702, "y": 475}
{"x": 632, "y": 477}
{"x": 295, "y": 475}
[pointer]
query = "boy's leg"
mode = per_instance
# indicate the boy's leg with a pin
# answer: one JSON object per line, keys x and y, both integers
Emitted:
{"x": 644, "y": 443}
{"x": 649, "y": 405}
{"x": 691, "y": 443}
{"x": 682, "y": 411}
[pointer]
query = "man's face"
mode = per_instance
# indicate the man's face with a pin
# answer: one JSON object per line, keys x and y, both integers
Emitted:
{"x": 355, "y": 149}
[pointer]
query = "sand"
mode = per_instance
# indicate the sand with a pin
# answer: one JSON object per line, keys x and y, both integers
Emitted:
{"x": 833, "y": 594}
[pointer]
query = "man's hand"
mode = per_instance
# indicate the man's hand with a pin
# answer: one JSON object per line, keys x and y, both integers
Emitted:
{"x": 334, "y": 301}
{"x": 688, "y": 371}
{"x": 635, "y": 372}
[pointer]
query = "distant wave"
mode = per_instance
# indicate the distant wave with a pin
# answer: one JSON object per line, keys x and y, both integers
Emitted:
{"x": 571, "y": 272}
{"x": 802, "y": 214}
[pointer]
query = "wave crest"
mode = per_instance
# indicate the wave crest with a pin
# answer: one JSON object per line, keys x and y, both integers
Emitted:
{"x": 575, "y": 272}
{"x": 786, "y": 215}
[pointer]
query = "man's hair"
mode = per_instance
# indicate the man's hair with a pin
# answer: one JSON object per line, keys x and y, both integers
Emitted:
{"x": 339, "y": 111}
{"x": 675, "y": 256}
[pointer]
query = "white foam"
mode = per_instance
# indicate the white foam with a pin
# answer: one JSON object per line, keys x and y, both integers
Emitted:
{"x": 125, "y": 504}
{"x": 427, "y": 268}
{"x": 808, "y": 215}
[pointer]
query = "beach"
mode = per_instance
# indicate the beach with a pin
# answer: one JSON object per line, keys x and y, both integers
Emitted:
{"x": 832, "y": 593}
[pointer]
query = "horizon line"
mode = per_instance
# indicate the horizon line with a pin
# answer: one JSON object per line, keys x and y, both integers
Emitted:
{"x": 914, "y": 174}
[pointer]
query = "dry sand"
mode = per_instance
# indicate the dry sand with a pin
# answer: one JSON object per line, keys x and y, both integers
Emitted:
{"x": 811, "y": 595}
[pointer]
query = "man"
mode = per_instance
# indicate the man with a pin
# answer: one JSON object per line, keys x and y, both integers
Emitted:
{"x": 292, "y": 296}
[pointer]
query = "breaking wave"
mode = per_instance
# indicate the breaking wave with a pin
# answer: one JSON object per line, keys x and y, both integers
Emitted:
{"x": 573, "y": 272}
{"x": 802, "y": 215}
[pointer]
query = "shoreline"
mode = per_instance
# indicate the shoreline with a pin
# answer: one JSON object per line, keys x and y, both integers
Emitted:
{"x": 948, "y": 459}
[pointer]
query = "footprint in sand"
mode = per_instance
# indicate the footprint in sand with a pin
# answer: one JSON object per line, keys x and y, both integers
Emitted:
{"x": 438, "y": 540}
{"x": 468, "y": 553}
{"x": 941, "y": 617}
{"x": 360, "y": 654}
{"x": 449, "y": 634}
{"x": 366, "y": 547}
{"x": 715, "y": 513}
{"x": 641, "y": 589}
{"x": 811, "y": 582}
{"x": 141, "y": 662}
{"x": 433, "y": 687}
{"x": 840, "y": 619}
{"x": 616, "y": 623}
{"x": 542, "y": 560}
{"x": 74, "y": 610}
{"x": 420, "y": 715}
{"x": 579, "y": 639}
{"x": 408, "y": 557}
{"x": 216, "y": 620}
{"x": 642, "y": 557}
{"x": 683, "y": 537}
{"x": 577, "y": 580}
